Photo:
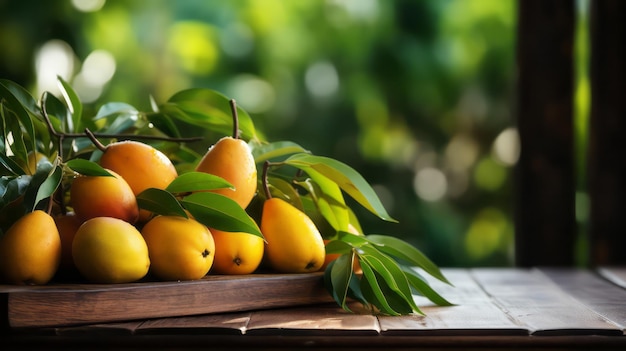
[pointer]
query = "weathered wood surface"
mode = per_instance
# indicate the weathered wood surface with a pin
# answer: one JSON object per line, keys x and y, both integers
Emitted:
{"x": 494, "y": 307}
{"x": 75, "y": 304}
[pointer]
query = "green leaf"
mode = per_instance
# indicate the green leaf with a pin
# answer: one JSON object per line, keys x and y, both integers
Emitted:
{"x": 390, "y": 271}
{"x": 164, "y": 123}
{"x": 9, "y": 167}
{"x": 340, "y": 276}
{"x": 276, "y": 150}
{"x": 220, "y": 212}
{"x": 118, "y": 116}
{"x": 197, "y": 181}
{"x": 160, "y": 202}
{"x": 74, "y": 104}
{"x": 57, "y": 112}
{"x": 338, "y": 246}
{"x": 115, "y": 109}
{"x": 285, "y": 190}
{"x": 354, "y": 290}
{"x": 88, "y": 168}
{"x": 424, "y": 288}
{"x": 49, "y": 186}
{"x": 371, "y": 289}
{"x": 355, "y": 241}
{"x": 14, "y": 119}
{"x": 23, "y": 96}
{"x": 15, "y": 188}
{"x": 398, "y": 248}
{"x": 210, "y": 109}
{"x": 328, "y": 199}
{"x": 345, "y": 177}
{"x": 31, "y": 196}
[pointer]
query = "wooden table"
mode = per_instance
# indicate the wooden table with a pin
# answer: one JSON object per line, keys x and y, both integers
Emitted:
{"x": 495, "y": 308}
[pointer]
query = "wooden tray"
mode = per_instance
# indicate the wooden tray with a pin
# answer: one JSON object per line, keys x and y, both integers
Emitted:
{"x": 73, "y": 304}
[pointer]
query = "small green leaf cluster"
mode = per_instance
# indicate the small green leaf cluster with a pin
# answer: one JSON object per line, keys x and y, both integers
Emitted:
{"x": 390, "y": 274}
{"x": 63, "y": 131}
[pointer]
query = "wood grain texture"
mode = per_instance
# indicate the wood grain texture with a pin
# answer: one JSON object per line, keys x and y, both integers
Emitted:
{"x": 598, "y": 294}
{"x": 505, "y": 308}
{"x": 85, "y": 303}
{"x": 328, "y": 319}
{"x": 535, "y": 301}
{"x": 214, "y": 324}
{"x": 474, "y": 312}
{"x": 616, "y": 275}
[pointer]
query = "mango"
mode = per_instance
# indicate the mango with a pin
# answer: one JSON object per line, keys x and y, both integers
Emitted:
{"x": 294, "y": 244}
{"x": 103, "y": 196}
{"x": 30, "y": 250}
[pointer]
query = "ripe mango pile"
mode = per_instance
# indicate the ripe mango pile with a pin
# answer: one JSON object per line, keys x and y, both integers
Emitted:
{"x": 107, "y": 238}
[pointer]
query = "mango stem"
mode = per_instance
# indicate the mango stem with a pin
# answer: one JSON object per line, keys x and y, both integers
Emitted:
{"x": 266, "y": 188}
{"x": 95, "y": 140}
{"x": 233, "y": 109}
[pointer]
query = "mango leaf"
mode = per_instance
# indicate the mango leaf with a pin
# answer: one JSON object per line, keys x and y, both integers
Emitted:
{"x": 164, "y": 123}
{"x": 49, "y": 185}
{"x": 372, "y": 291}
{"x": 14, "y": 125}
{"x": 220, "y": 212}
{"x": 160, "y": 202}
{"x": 340, "y": 276}
{"x": 22, "y": 95}
{"x": 390, "y": 272}
{"x": 119, "y": 117}
{"x": 113, "y": 109}
{"x": 59, "y": 115}
{"x": 88, "y": 168}
{"x": 9, "y": 167}
{"x": 403, "y": 250}
{"x": 285, "y": 190}
{"x": 424, "y": 289}
{"x": 276, "y": 150}
{"x": 354, "y": 289}
{"x": 15, "y": 188}
{"x": 345, "y": 177}
{"x": 197, "y": 181}
{"x": 356, "y": 241}
{"x": 328, "y": 200}
{"x": 338, "y": 246}
{"x": 32, "y": 190}
{"x": 210, "y": 109}
{"x": 74, "y": 104}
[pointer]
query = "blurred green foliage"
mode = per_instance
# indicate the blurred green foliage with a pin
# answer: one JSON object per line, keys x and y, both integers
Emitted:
{"x": 416, "y": 95}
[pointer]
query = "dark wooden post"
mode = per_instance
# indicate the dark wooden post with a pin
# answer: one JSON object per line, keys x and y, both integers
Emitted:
{"x": 545, "y": 222}
{"x": 607, "y": 138}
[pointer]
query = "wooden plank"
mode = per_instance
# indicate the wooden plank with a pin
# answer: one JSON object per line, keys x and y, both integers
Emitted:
{"x": 100, "y": 330}
{"x": 324, "y": 320}
{"x": 606, "y": 167}
{"x": 215, "y": 324}
{"x": 544, "y": 217}
{"x": 598, "y": 294}
{"x": 75, "y": 304}
{"x": 474, "y": 313}
{"x": 538, "y": 303}
{"x": 616, "y": 275}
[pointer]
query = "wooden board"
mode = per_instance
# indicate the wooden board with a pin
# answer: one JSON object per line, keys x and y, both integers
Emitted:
{"x": 534, "y": 300}
{"x": 76, "y": 304}
{"x": 593, "y": 291}
{"x": 474, "y": 312}
{"x": 508, "y": 308}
